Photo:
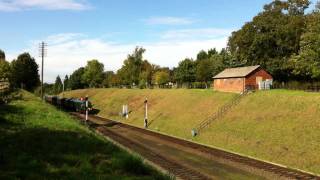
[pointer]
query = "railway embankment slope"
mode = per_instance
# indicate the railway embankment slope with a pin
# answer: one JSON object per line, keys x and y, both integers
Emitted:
{"x": 40, "y": 142}
{"x": 280, "y": 126}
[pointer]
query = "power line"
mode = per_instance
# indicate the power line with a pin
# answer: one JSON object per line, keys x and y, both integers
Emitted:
{"x": 42, "y": 54}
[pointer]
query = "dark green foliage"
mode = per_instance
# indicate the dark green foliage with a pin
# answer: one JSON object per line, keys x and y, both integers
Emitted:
{"x": 210, "y": 63}
{"x": 93, "y": 73}
{"x": 66, "y": 82}
{"x": 58, "y": 85}
{"x": 5, "y": 70}
{"x": 306, "y": 64}
{"x": 136, "y": 70}
{"x": 272, "y": 37}
{"x": 186, "y": 71}
{"x": 132, "y": 67}
{"x": 107, "y": 81}
{"x": 75, "y": 80}
{"x": 25, "y": 72}
{"x": 202, "y": 55}
{"x": 2, "y": 55}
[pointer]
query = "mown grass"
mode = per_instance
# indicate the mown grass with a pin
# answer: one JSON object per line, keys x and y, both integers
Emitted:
{"x": 174, "y": 111}
{"x": 281, "y": 126}
{"x": 39, "y": 142}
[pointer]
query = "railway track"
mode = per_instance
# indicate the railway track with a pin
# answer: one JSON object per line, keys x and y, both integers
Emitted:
{"x": 178, "y": 169}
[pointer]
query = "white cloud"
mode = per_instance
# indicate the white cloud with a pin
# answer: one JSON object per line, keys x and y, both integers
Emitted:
{"x": 17, "y": 5}
{"x": 67, "y": 52}
{"x": 168, "y": 21}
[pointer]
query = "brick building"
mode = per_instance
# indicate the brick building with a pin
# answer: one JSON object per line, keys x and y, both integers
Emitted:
{"x": 239, "y": 79}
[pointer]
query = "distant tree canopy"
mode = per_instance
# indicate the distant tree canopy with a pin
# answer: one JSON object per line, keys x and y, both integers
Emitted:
{"x": 161, "y": 77}
{"x": 2, "y": 55}
{"x": 283, "y": 39}
{"x": 186, "y": 71}
{"x": 272, "y": 37}
{"x": 58, "y": 86}
{"x": 25, "y": 72}
{"x": 108, "y": 79}
{"x": 132, "y": 67}
{"x": 75, "y": 80}
{"x": 5, "y": 70}
{"x": 93, "y": 73}
{"x": 66, "y": 82}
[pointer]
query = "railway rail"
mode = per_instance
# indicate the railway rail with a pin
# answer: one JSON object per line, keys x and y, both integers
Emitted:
{"x": 179, "y": 169}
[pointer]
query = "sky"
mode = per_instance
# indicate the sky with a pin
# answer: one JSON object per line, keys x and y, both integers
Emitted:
{"x": 108, "y": 30}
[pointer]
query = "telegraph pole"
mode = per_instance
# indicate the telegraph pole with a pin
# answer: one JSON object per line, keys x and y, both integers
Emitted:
{"x": 42, "y": 54}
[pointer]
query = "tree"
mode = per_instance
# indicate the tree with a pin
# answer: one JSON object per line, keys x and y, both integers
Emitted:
{"x": 161, "y": 77}
{"x": 25, "y": 72}
{"x": 212, "y": 52}
{"x": 204, "y": 70}
{"x": 58, "y": 85}
{"x": 272, "y": 37}
{"x": 202, "y": 55}
{"x": 307, "y": 63}
{"x": 75, "y": 80}
{"x": 132, "y": 67}
{"x": 211, "y": 63}
{"x": 66, "y": 82}
{"x": 93, "y": 73}
{"x": 5, "y": 70}
{"x": 107, "y": 81}
{"x": 186, "y": 71}
{"x": 2, "y": 55}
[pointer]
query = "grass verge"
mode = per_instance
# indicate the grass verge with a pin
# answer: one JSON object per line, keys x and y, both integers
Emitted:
{"x": 280, "y": 126}
{"x": 39, "y": 142}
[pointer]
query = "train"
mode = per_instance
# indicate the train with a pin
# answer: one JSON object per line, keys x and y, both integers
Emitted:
{"x": 69, "y": 104}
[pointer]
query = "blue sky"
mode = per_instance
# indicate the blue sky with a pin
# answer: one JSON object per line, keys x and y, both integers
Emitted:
{"x": 79, "y": 30}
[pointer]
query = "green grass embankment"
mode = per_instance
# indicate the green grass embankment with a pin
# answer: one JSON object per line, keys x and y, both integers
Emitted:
{"x": 279, "y": 125}
{"x": 39, "y": 142}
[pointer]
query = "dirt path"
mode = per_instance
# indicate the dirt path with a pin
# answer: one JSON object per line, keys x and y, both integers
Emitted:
{"x": 188, "y": 160}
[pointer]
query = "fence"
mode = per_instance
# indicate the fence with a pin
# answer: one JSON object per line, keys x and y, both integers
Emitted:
{"x": 294, "y": 85}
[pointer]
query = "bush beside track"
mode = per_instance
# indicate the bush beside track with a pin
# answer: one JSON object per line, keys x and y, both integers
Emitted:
{"x": 280, "y": 126}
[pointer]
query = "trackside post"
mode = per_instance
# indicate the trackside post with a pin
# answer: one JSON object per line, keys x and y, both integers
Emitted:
{"x": 87, "y": 106}
{"x": 146, "y": 113}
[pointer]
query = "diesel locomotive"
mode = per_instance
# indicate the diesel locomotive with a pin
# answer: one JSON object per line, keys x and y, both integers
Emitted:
{"x": 69, "y": 104}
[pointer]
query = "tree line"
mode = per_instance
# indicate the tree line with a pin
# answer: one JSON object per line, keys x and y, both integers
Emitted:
{"x": 21, "y": 72}
{"x": 283, "y": 38}
{"x": 139, "y": 72}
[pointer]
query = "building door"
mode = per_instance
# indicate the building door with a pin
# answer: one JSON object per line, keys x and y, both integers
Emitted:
{"x": 258, "y": 79}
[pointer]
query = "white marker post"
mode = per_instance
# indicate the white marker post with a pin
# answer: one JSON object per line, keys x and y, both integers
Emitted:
{"x": 127, "y": 112}
{"x": 146, "y": 114}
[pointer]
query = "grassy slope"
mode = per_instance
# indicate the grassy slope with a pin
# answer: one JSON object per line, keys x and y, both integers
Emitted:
{"x": 37, "y": 142}
{"x": 279, "y": 126}
{"x": 171, "y": 111}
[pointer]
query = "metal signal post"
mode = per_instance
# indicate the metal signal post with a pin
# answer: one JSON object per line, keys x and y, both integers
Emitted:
{"x": 87, "y": 106}
{"x": 42, "y": 54}
{"x": 146, "y": 113}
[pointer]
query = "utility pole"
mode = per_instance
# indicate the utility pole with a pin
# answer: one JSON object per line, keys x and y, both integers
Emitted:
{"x": 42, "y": 54}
